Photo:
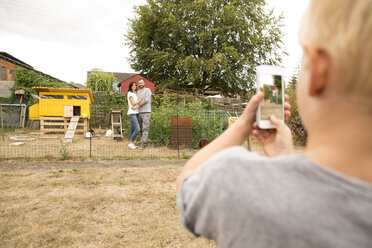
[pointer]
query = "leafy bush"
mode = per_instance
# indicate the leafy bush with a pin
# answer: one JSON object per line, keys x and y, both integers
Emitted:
{"x": 26, "y": 79}
{"x": 4, "y": 100}
{"x": 294, "y": 121}
{"x": 171, "y": 100}
{"x": 206, "y": 122}
{"x": 268, "y": 93}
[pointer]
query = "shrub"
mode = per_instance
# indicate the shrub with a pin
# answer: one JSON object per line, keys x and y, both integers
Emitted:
{"x": 26, "y": 79}
{"x": 294, "y": 122}
{"x": 206, "y": 123}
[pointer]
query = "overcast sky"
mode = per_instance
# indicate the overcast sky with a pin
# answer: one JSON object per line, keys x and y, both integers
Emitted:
{"x": 67, "y": 38}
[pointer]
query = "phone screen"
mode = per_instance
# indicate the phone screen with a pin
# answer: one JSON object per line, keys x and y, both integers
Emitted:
{"x": 271, "y": 88}
{"x": 270, "y": 83}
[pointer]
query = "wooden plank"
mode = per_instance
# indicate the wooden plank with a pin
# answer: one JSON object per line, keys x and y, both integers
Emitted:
{"x": 52, "y": 130}
{"x": 65, "y": 124}
{"x": 71, "y": 129}
{"x": 72, "y": 125}
{"x": 55, "y": 124}
{"x": 51, "y": 118}
{"x": 56, "y": 118}
{"x": 86, "y": 124}
{"x": 51, "y": 123}
{"x": 69, "y": 135}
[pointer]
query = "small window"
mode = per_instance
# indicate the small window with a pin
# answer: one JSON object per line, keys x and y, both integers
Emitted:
{"x": 3, "y": 76}
{"x": 77, "y": 97}
{"x": 51, "y": 97}
{"x": 11, "y": 72}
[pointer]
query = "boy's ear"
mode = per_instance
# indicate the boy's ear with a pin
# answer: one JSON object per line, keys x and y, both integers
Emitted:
{"x": 318, "y": 67}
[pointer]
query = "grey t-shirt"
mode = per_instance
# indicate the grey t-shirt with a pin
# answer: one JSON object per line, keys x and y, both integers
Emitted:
{"x": 147, "y": 97}
{"x": 242, "y": 199}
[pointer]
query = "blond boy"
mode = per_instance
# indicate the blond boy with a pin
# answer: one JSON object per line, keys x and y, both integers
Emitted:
{"x": 322, "y": 198}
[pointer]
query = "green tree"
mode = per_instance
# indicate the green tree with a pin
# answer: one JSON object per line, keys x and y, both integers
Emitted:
{"x": 100, "y": 81}
{"x": 278, "y": 81}
{"x": 204, "y": 44}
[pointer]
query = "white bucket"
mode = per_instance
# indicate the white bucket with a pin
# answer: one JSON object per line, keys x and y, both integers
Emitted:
{"x": 88, "y": 135}
{"x": 109, "y": 132}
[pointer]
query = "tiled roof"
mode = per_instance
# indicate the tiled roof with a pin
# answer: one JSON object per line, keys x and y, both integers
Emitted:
{"x": 123, "y": 76}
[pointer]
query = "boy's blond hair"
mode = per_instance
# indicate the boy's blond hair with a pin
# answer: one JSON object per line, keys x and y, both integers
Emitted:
{"x": 343, "y": 28}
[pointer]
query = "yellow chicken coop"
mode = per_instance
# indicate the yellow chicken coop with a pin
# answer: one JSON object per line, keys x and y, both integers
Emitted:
{"x": 56, "y": 107}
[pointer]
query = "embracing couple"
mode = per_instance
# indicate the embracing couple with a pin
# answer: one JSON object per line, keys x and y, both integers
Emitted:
{"x": 139, "y": 112}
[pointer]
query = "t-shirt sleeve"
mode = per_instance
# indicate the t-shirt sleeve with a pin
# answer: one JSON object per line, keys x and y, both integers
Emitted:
{"x": 147, "y": 96}
{"x": 195, "y": 197}
{"x": 204, "y": 198}
{"x": 130, "y": 94}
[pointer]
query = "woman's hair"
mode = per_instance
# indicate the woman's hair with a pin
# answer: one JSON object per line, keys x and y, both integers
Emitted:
{"x": 130, "y": 86}
{"x": 342, "y": 28}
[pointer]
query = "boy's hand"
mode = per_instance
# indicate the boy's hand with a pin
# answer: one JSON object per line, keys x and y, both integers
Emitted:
{"x": 277, "y": 141}
{"x": 248, "y": 116}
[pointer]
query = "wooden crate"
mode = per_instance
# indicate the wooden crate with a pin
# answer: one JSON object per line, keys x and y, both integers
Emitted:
{"x": 57, "y": 124}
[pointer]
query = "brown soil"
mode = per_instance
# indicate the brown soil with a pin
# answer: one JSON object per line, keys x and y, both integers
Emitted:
{"x": 92, "y": 204}
{"x": 269, "y": 108}
{"x": 116, "y": 203}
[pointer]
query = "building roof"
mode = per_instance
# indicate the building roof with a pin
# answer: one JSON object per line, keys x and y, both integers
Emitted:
{"x": 14, "y": 60}
{"x": 77, "y": 86}
{"x": 64, "y": 90}
{"x": 121, "y": 77}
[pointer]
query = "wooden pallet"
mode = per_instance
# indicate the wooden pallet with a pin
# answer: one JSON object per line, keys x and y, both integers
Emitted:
{"x": 57, "y": 124}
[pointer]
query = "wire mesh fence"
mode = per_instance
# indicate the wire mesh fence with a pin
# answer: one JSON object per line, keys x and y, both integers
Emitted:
{"x": 175, "y": 133}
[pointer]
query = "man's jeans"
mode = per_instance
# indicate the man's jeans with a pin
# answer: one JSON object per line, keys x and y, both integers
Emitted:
{"x": 144, "y": 122}
{"x": 134, "y": 128}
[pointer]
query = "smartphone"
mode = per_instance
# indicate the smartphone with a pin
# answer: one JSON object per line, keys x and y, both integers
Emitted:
{"x": 270, "y": 83}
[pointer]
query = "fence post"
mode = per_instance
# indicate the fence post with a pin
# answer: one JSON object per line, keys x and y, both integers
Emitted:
{"x": 90, "y": 131}
{"x": 2, "y": 122}
{"x": 178, "y": 138}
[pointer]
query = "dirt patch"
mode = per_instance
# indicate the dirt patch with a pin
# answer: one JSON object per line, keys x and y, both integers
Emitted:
{"x": 114, "y": 203}
{"x": 58, "y": 165}
{"x": 92, "y": 204}
{"x": 52, "y": 147}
